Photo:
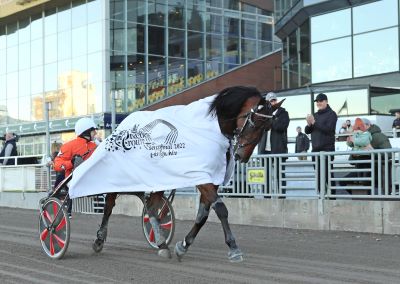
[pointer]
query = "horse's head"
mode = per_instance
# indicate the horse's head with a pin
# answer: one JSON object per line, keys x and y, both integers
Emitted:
{"x": 243, "y": 116}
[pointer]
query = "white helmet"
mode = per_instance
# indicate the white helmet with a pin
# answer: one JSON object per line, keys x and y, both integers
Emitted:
{"x": 84, "y": 124}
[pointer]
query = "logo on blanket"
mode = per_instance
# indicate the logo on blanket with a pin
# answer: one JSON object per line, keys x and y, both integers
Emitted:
{"x": 135, "y": 138}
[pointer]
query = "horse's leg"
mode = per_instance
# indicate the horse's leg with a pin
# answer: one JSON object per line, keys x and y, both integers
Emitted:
{"x": 153, "y": 204}
{"x": 208, "y": 195}
{"x": 102, "y": 232}
{"x": 234, "y": 255}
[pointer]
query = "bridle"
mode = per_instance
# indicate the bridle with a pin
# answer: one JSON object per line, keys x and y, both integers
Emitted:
{"x": 249, "y": 122}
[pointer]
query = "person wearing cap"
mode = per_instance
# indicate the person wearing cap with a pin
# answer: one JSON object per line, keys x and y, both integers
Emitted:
{"x": 396, "y": 124}
{"x": 322, "y": 126}
{"x": 379, "y": 140}
{"x": 74, "y": 152}
{"x": 275, "y": 140}
{"x": 9, "y": 149}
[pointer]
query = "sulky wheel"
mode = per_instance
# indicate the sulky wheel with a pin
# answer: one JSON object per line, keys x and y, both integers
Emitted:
{"x": 54, "y": 228}
{"x": 167, "y": 223}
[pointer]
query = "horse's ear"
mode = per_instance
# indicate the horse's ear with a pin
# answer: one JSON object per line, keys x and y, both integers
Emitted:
{"x": 277, "y": 105}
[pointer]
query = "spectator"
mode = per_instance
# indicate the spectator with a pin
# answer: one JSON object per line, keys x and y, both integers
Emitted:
{"x": 322, "y": 126}
{"x": 379, "y": 140}
{"x": 361, "y": 138}
{"x": 74, "y": 152}
{"x": 9, "y": 149}
{"x": 275, "y": 140}
{"x": 345, "y": 129}
{"x": 396, "y": 124}
{"x": 302, "y": 143}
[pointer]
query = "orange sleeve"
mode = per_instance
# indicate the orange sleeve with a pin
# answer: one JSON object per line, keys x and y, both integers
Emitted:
{"x": 63, "y": 159}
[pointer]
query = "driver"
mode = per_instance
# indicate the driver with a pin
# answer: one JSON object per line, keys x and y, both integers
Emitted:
{"x": 74, "y": 152}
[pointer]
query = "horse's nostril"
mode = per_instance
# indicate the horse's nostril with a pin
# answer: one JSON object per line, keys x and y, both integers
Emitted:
{"x": 237, "y": 157}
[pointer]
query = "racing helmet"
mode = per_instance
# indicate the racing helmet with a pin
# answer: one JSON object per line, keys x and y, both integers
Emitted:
{"x": 84, "y": 124}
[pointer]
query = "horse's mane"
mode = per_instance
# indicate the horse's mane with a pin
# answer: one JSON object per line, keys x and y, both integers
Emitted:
{"x": 229, "y": 101}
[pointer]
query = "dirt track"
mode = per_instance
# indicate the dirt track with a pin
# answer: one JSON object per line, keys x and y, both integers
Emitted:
{"x": 272, "y": 255}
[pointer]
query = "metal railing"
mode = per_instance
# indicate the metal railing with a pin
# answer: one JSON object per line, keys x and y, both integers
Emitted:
{"x": 369, "y": 175}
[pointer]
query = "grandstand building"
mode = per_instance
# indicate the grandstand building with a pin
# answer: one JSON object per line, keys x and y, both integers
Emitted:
{"x": 85, "y": 56}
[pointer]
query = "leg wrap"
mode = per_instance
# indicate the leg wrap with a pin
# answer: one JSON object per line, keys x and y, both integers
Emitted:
{"x": 220, "y": 209}
{"x": 202, "y": 214}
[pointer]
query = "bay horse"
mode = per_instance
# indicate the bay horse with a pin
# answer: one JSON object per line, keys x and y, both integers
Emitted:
{"x": 243, "y": 115}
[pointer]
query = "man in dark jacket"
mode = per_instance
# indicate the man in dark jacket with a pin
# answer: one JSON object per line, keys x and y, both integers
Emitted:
{"x": 302, "y": 143}
{"x": 396, "y": 124}
{"x": 9, "y": 149}
{"x": 379, "y": 140}
{"x": 275, "y": 140}
{"x": 322, "y": 127}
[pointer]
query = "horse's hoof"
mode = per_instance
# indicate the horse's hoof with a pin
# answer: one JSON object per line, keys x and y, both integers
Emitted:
{"x": 180, "y": 250}
{"x": 98, "y": 245}
{"x": 166, "y": 253}
{"x": 235, "y": 255}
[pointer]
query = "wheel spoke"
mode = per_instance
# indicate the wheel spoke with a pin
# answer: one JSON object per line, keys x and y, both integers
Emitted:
{"x": 43, "y": 234}
{"x": 47, "y": 216}
{"x": 51, "y": 244}
{"x": 55, "y": 209}
{"x": 62, "y": 224}
{"x": 60, "y": 242}
{"x": 167, "y": 225}
{"x": 151, "y": 235}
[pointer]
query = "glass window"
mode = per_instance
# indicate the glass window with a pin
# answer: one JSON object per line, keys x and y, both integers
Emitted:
{"x": 24, "y": 108}
{"x": 249, "y": 29}
{"x": 332, "y": 25}
{"x": 50, "y": 22}
{"x": 298, "y": 105}
{"x": 156, "y": 40}
{"x": 176, "y": 43}
{"x": 3, "y": 89}
{"x": 117, "y": 35}
{"x": 24, "y": 59}
{"x": 231, "y": 26}
{"x": 12, "y": 34}
{"x": 213, "y": 23}
{"x": 24, "y": 31}
{"x": 342, "y": 102}
{"x": 95, "y": 10}
{"x": 95, "y": 63}
{"x": 50, "y": 77}
{"x": 376, "y": 15}
{"x": 64, "y": 73}
{"x": 264, "y": 31}
{"x": 79, "y": 85}
{"x": 135, "y": 37}
{"x": 65, "y": 45}
{"x": 176, "y": 75}
{"x": 213, "y": 46}
{"x": 176, "y": 14}
{"x": 117, "y": 10}
{"x": 195, "y": 72}
{"x": 3, "y": 60}
{"x": 157, "y": 78}
{"x": 37, "y": 77}
{"x": 194, "y": 18}
{"x": 382, "y": 103}
{"x": 136, "y": 82}
{"x": 36, "y": 26}
{"x": 231, "y": 4}
{"x": 249, "y": 50}
{"x": 50, "y": 48}
{"x": 12, "y": 108}
{"x": 195, "y": 45}
{"x": 231, "y": 46}
{"x": 12, "y": 85}
{"x": 79, "y": 41}
{"x": 376, "y": 52}
{"x": 24, "y": 82}
{"x": 79, "y": 13}
{"x": 156, "y": 14}
{"x": 37, "y": 52}
{"x": 213, "y": 69}
{"x": 214, "y": 3}
{"x": 264, "y": 47}
{"x": 136, "y": 11}
{"x": 95, "y": 42}
{"x": 64, "y": 18}
{"x": 2, "y": 37}
{"x": 12, "y": 59}
{"x": 331, "y": 60}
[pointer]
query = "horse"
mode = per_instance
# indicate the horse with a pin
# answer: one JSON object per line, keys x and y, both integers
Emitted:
{"x": 243, "y": 115}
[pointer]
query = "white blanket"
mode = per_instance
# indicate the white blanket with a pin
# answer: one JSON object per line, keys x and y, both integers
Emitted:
{"x": 174, "y": 147}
